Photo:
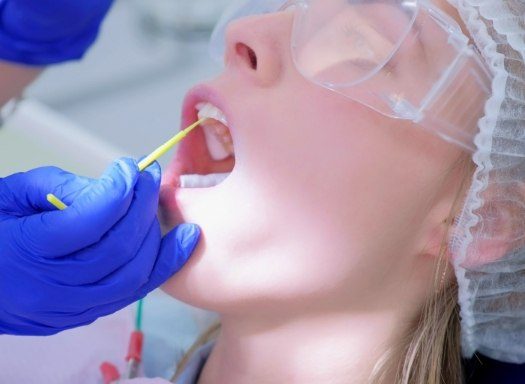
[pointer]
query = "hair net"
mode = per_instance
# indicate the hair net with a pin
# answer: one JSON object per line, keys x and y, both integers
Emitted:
{"x": 488, "y": 242}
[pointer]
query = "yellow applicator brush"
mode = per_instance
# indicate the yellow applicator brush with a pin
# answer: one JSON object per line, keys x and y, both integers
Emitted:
{"x": 160, "y": 151}
{"x": 144, "y": 163}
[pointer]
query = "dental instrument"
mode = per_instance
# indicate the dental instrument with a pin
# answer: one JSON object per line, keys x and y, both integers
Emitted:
{"x": 109, "y": 371}
{"x": 144, "y": 163}
{"x": 160, "y": 151}
{"x": 134, "y": 356}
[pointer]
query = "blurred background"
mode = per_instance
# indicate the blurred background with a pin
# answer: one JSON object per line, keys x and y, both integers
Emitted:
{"x": 123, "y": 98}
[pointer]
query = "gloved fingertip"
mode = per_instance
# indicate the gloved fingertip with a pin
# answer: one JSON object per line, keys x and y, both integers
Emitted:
{"x": 155, "y": 171}
{"x": 188, "y": 236}
{"x": 155, "y": 168}
{"x": 121, "y": 175}
{"x": 128, "y": 165}
{"x": 122, "y": 165}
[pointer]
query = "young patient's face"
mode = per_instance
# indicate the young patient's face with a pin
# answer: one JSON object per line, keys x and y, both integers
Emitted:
{"x": 328, "y": 201}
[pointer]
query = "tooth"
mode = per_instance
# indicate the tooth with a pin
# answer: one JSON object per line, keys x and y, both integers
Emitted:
{"x": 217, "y": 136}
{"x": 202, "y": 181}
{"x": 210, "y": 111}
{"x": 220, "y": 129}
{"x": 217, "y": 149}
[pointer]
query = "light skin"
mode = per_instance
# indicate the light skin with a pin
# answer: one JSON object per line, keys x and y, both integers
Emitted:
{"x": 322, "y": 245}
{"x": 14, "y": 78}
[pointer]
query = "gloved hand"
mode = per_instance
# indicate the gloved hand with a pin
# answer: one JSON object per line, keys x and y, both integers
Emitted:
{"x": 63, "y": 269}
{"x": 41, "y": 32}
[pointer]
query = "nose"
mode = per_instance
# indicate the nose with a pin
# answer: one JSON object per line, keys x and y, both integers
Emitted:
{"x": 258, "y": 47}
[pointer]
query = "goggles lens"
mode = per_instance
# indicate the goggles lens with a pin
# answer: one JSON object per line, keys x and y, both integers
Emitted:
{"x": 341, "y": 43}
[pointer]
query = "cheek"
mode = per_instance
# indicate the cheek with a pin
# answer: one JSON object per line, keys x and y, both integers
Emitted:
{"x": 334, "y": 157}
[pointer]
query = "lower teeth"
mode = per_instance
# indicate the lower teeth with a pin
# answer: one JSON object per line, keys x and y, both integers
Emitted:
{"x": 202, "y": 181}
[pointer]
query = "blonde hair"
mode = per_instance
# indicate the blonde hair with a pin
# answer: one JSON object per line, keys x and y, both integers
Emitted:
{"x": 431, "y": 345}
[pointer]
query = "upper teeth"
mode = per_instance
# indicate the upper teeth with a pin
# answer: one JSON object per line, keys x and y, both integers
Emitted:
{"x": 212, "y": 112}
{"x": 216, "y": 131}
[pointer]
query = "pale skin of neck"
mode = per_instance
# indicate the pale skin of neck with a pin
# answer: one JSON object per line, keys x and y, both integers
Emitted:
{"x": 333, "y": 348}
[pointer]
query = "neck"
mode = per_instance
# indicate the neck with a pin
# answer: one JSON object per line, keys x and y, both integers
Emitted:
{"x": 332, "y": 348}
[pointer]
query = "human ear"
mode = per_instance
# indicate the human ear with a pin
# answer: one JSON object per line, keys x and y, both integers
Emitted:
{"x": 438, "y": 232}
{"x": 498, "y": 228}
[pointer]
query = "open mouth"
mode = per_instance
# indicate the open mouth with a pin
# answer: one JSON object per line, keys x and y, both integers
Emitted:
{"x": 207, "y": 156}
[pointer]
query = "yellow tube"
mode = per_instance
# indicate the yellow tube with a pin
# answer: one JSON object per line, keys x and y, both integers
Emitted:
{"x": 59, "y": 204}
{"x": 160, "y": 151}
{"x": 143, "y": 164}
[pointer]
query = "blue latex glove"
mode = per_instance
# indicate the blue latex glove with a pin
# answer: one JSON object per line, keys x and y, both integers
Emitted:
{"x": 63, "y": 269}
{"x": 41, "y": 32}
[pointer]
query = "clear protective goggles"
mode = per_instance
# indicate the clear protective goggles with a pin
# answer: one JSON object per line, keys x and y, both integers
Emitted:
{"x": 405, "y": 59}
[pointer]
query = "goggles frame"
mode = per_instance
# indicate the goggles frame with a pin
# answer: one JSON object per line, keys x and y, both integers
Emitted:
{"x": 433, "y": 108}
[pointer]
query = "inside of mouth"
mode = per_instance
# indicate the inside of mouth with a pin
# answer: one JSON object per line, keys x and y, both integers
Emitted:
{"x": 207, "y": 157}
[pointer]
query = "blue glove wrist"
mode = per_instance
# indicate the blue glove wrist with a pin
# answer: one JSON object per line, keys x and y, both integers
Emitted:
{"x": 42, "y": 32}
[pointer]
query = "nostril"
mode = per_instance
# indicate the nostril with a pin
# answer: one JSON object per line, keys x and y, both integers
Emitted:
{"x": 247, "y": 54}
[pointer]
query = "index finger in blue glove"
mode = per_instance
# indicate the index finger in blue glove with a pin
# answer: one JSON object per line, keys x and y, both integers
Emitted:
{"x": 97, "y": 209}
